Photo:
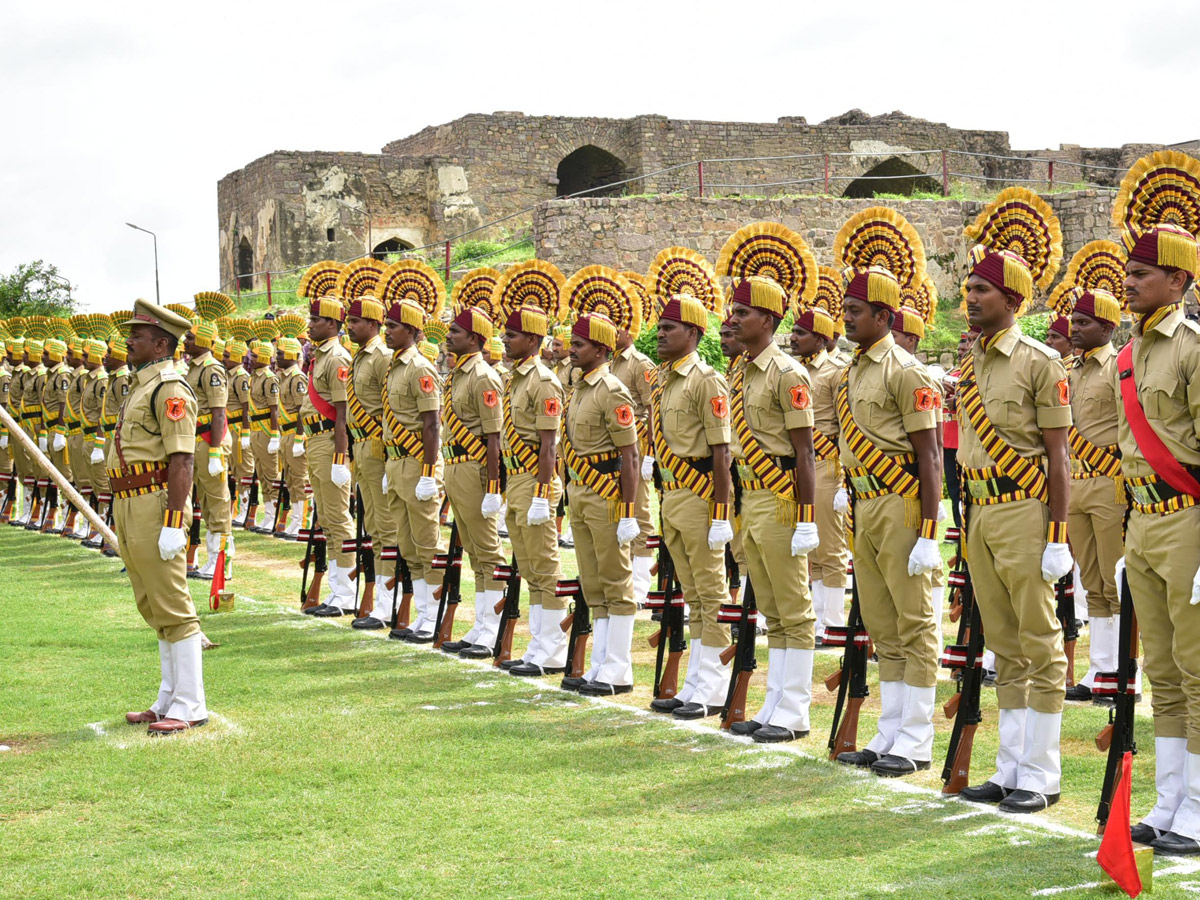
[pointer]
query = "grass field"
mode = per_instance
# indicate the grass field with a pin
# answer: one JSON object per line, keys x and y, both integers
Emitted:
{"x": 338, "y": 763}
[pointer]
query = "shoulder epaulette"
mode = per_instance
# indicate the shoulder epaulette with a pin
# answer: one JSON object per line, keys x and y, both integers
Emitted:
{"x": 171, "y": 375}
{"x": 1040, "y": 347}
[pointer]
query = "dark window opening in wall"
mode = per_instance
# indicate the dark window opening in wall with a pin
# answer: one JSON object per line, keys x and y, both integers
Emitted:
{"x": 245, "y": 265}
{"x": 590, "y": 167}
{"x": 329, "y": 234}
{"x": 892, "y": 176}
{"x": 391, "y": 245}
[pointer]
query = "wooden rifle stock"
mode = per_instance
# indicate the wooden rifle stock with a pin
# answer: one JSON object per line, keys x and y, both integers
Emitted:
{"x": 960, "y": 770}
{"x": 737, "y": 704}
{"x": 577, "y": 664}
{"x": 833, "y": 680}
{"x": 1069, "y": 650}
{"x": 739, "y": 682}
{"x": 655, "y": 638}
{"x": 404, "y": 614}
{"x": 367, "y": 605}
{"x": 668, "y": 683}
{"x": 506, "y": 637}
{"x": 951, "y": 706}
{"x": 728, "y": 654}
{"x": 1104, "y": 738}
{"x": 508, "y": 608}
{"x": 846, "y": 740}
{"x": 448, "y": 598}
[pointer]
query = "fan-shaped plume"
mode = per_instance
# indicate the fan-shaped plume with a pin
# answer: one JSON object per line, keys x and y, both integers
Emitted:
{"x": 922, "y": 299}
{"x": 61, "y": 329}
{"x": 413, "y": 279}
{"x": 1160, "y": 189}
{"x": 16, "y": 326}
{"x": 37, "y": 328}
{"x": 240, "y": 329}
{"x": 831, "y": 289}
{"x": 102, "y": 326}
{"x": 212, "y": 305}
{"x": 881, "y": 236}
{"x": 1099, "y": 265}
{"x": 531, "y": 283}
{"x": 290, "y": 324}
{"x": 181, "y": 310}
{"x": 120, "y": 318}
{"x": 359, "y": 278}
{"x": 1062, "y": 299}
{"x": 678, "y": 270}
{"x": 81, "y": 324}
{"x": 600, "y": 289}
{"x": 265, "y": 330}
{"x": 320, "y": 280}
{"x": 477, "y": 288}
{"x": 773, "y": 251}
{"x": 436, "y": 331}
{"x": 1021, "y": 222}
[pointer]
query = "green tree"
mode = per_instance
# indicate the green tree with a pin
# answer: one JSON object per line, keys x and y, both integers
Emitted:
{"x": 35, "y": 289}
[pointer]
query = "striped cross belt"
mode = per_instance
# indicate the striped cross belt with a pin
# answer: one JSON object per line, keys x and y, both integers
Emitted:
{"x": 603, "y": 463}
{"x": 1153, "y": 496}
{"x": 989, "y": 486}
{"x": 362, "y": 434}
{"x": 315, "y": 424}
{"x": 672, "y": 481}
{"x": 513, "y": 466}
{"x": 455, "y": 453}
{"x": 396, "y": 451}
{"x": 749, "y": 481}
{"x": 867, "y": 486}
{"x": 1081, "y": 469}
{"x": 137, "y": 479}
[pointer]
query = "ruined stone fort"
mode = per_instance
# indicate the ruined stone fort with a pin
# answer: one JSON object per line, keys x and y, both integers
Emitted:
{"x": 614, "y": 191}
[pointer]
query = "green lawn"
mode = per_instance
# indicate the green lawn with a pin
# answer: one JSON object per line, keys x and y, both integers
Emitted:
{"x": 341, "y": 764}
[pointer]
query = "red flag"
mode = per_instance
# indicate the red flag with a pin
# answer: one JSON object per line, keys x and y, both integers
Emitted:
{"x": 1116, "y": 847}
{"x": 218, "y": 585}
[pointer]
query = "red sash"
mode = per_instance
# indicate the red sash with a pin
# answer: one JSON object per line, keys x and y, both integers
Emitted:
{"x": 323, "y": 406}
{"x": 1165, "y": 466}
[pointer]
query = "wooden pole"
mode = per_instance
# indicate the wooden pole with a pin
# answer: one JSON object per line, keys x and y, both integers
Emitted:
{"x": 56, "y": 476}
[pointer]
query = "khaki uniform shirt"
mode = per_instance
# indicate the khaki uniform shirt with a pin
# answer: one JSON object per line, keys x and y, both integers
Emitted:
{"x": 91, "y": 402}
{"x": 368, "y": 374}
{"x": 264, "y": 396}
{"x": 694, "y": 407}
{"x": 239, "y": 391}
{"x": 54, "y": 392}
{"x": 636, "y": 371}
{"x": 826, "y": 374}
{"x": 149, "y": 434}
{"x": 1094, "y": 397}
{"x": 568, "y": 375}
{"x": 1166, "y": 369}
{"x": 600, "y": 414}
{"x": 535, "y": 401}
{"x": 777, "y": 395}
{"x": 16, "y": 390}
{"x": 1024, "y": 387}
{"x": 475, "y": 394}
{"x": 330, "y": 372}
{"x": 886, "y": 385}
{"x": 74, "y": 399}
{"x": 292, "y": 388}
{"x": 413, "y": 387}
{"x": 6, "y": 379}
{"x": 209, "y": 382}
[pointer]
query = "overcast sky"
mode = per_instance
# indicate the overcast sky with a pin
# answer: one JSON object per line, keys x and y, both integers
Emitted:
{"x": 131, "y": 112}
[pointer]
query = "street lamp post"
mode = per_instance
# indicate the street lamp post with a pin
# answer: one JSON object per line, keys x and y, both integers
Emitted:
{"x": 157, "y": 295}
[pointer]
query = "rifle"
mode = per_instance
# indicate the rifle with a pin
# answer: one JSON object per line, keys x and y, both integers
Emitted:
{"x": 1064, "y": 597}
{"x": 733, "y": 575}
{"x": 364, "y": 561}
{"x": 314, "y": 551}
{"x": 283, "y": 506}
{"x": 850, "y": 681}
{"x": 668, "y": 600}
{"x": 451, "y": 562}
{"x": 193, "y": 534}
{"x": 400, "y": 576}
{"x": 1117, "y": 736}
{"x": 10, "y": 497}
{"x": 251, "y": 502}
{"x": 579, "y": 623}
{"x": 745, "y": 616}
{"x": 509, "y": 608}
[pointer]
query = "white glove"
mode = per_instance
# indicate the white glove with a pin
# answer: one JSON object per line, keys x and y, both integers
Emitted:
{"x": 490, "y": 507}
{"x": 941, "y": 512}
{"x": 339, "y": 474}
{"x": 171, "y": 542}
{"x": 298, "y": 447}
{"x": 1056, "y": 562}
{"x": 841, "y": 501}
{"x": 42, "y": 444}
{"x": 720, "y": 533}
{"x": 1195, "y": 587}
{"x": 925, "y": 556}
{"x": 245, "y": 442}
{"x": 627, "y": 530}
{"x": 3, "y": 441}
{"x": 385, "y": 484}
{"x": 539, "y": 511}
{"x": 273, "y": 446}
{"x": 426, "y": 488}
{"x": 805, "y": 538}
{"x": 60, "y": 442}
{"x": 215, "y": 466}
{"x": 647, "y": 467}
{"x": 97, "y": 456}
{"x": 1120, "y": 576}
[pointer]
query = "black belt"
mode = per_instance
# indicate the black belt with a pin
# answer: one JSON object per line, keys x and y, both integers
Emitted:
{"x": 611, "y": 466}
{"x": 261, "y": 417}
{"x": 91, "y": 429}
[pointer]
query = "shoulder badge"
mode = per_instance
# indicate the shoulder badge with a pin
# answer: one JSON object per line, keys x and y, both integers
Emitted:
{"x": 343, "y": 373}
{"x": 426, "y": 383}
{"x": 1064, "y": 393}
{"x": 176, "y": 408}
{"x": 491, "y": 398}
{"x": 649, "y": 375}
{"x": 720, "y": 406}
{"x": 214, "y": 380}
{"x": 552, "y": 407}
{"x": 624, "y": 414}
{"x": 925, "y": 399}
{"x": 800, "y": 397}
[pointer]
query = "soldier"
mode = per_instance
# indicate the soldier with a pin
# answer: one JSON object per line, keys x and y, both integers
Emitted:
{"x": 91, "y": 450}
{"x": 23, "y": 470}
{"x": 1058, "y": 337}
{"x": 690, "y": 432}
{"x": 264, "y": 432}
{"x": 120, "y": 381}
{"x": 566, "y": 374}
{"x": 364, "y": 404}
{"x": 412, "y": 402}
{"x": 31, "y": 421}
{"x": 7, "y": 474}
{"x": 1160, "y": 460}
{"x": 732, "y": 348}
{"x": 80, "y": 468}
{"x": 292, "y": 388}
{"x": 600, "y": 451}
{"x": 636, "y": 371}
{"x": 209, "y": 381}
{"x": 149, "y": 468}
{"x": 237, "y": 414}
{"x": 325, "y": 445}
{"x": 1015, "y": 405}
{"x": 533, "y": 402}
{"x": 53, "y": 437}
{"x": 472, "y": 418}
{"x": 811, "y": 333}
{"x": 887, "y": 425}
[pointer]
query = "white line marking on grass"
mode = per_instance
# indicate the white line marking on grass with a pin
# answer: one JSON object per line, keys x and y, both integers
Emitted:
{"x": 966, "y": 815}
{"x": 99, "y": 728}
{"x": 1050, "y": 891}
{"x": 228, "y": 724}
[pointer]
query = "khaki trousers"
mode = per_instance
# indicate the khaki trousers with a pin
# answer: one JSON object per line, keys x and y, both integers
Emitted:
{"x": 605, "y": 572}
{"x": 60, "y": 461}
{"x": 641, "y": 511}
{"x": 81, "y": 468}
{"x": 686, "y": 519}
{"x": 896, "y": 607}
{"x": 241, "y": 463}
{"x": 98, "y": 475}
{"x": 827, "y": 563}
{"x": 266, "y": 464}
{"x": 369, "y": 465}
{"x": 295, "y": 469}
{"x": 1162, "y": 555}
{"x": 333, "y": 502}
{"x": 160, "y": 588}
{"x": 535, "y": 546}
{"x": 466, "y": 483}
{"x": 212, "y": 491}
{"x": 1095, "y": 521}
{"x": 780, "y": 580}
{"x": 415, "y": 521}
{"x": 1005, "y": 543}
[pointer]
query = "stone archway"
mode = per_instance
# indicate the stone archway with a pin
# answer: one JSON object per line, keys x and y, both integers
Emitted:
{"x": 391, "y": 245}
{"x": 892, "y": 176}
{"x": 245, "y": 264}
{"x": 589, "y": 168}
